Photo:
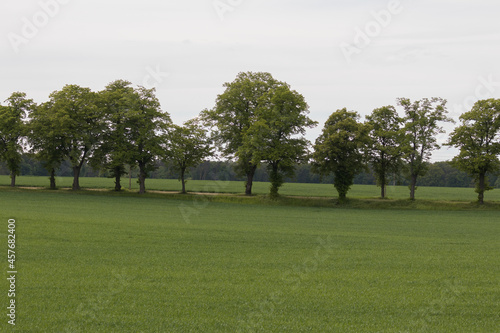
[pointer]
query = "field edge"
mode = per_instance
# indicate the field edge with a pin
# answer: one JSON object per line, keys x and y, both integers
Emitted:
{"x": 302, "y": 201}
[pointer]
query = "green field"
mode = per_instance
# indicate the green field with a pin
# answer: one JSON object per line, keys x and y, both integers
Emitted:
{"x": 288, "y": 189}
{"x": 96, "y": 262}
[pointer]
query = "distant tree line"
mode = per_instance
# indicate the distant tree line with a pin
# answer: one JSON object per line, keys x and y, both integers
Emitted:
{"x": 257, "y": 127}
{"x": 439, "y": 174}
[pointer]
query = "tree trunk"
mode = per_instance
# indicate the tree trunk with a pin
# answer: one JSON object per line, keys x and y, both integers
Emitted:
{"x": 76, "y": 178}
{"x": 481, "y": 188}
{"x": 52, "y": 179}
{"x": 249, "y": 182}
{"x": 413, "y": 186}
{"x": 130, "y": 178}
{"x": 276, "y": 181}
{"x": 118, "y": 185}
{"x": 76, "y": 172}
{"x": 183, "y": 170}
{"x": 142, "y": 178}
{"x": 382, "y": 185}
{"x": 12, "y": 179}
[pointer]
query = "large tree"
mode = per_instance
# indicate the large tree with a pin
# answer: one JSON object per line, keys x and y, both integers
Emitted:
{"x": 384, "y": 151}
{"x": 80, "y": 122}
{"x": 147, "y": 126}
{"x": 114, "y": 152}
{"x": 277, "y": 135}
{"x": 421, "y": 127}
{"x": 478, "y": 138}
{"x": 12, "y": 131}
{"x": 186, "y": 147}
{"x": 234, "y": 114}
{"x": 47, "y": 139}
{"x": 340, "y": 149}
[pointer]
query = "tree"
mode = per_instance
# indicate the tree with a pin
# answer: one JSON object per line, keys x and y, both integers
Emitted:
{"x": 339, "y": 149}
{"x": 146, "y": 127}
{"x": 79, "y": 122}
{"x": 280, "y": 117}
{"x": 113, "y": 153}
{"x": 47, "y": 139}
{"x": 384, "y": 150}
{"x": 234, "y": 114}
{"x": 478, "y": 140}
{"x": 187, "y": 146}
{"x": 12, "y": 131}
{"x": 421, "y": 126}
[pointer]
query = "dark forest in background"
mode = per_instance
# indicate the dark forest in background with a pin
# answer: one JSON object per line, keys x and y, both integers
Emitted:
{"x": 440, "y": 174}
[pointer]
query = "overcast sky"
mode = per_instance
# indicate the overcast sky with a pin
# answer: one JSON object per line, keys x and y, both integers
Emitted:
{"x": 355, "y": 54}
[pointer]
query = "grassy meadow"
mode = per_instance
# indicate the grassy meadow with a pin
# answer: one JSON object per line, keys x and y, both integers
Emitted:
{"x": 100, "y": 262}
{"x": 259, "y": 188}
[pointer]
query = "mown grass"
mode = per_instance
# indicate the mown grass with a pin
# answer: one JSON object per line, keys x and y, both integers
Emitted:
{"x": 101, "y": 262}
{"x": 288, "y": 189}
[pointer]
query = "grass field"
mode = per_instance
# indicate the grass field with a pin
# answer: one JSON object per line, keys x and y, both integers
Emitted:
{"x": 93, "y": 262}
{"x": 288, "y": 189}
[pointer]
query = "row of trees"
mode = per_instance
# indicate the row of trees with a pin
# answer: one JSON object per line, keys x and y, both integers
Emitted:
{"x": 257, "y": 120}
{"x": 386, "y": 140}
{"x": 114, "y": 129}
{"x": 439, "y": 174}
{"x": 391, "y": 144}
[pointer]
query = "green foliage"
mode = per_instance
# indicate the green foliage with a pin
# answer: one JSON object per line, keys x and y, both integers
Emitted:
{"x": 235, "y": 113}
{"x": 478, "y": 138}
{"x": 12, "y": 130}
{"x": 274, "y": 137}
{"x": 110, "y": 129}
{"x": 186, "y": 147}
{"x": 114, "y": 151}
{"x": 235, "y": 109}
{"x": 339, "y": 149}
{"x": 47, "y": 140}
{"x": 384, "y": 148}
{"x": 421, "y": 127}
{"x": 147, "y": 126}
{"x": 77, "y": 127}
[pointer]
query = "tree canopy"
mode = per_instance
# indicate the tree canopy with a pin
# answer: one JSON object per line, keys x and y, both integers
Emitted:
{"x": 186, "y": 147}
{"x": 117, "y": 101}
{"x": 277, "y": 136}
{"x": 79, "y": 121}
{"x": 47, "y": 139}
{"x": 422, "y": 124}
{"x": 257, "y": 123}
{"x": 384, "y": 151}
{"x": 235, "y": 113}
{"x": 478, "y": 138}
{"x": 147, "y": 126}
{"x": 12, "y": 131}
{"x": 339, "y": 149}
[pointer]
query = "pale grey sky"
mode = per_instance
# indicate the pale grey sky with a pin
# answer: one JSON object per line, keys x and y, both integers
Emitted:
{"x": 355, "y": 54}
